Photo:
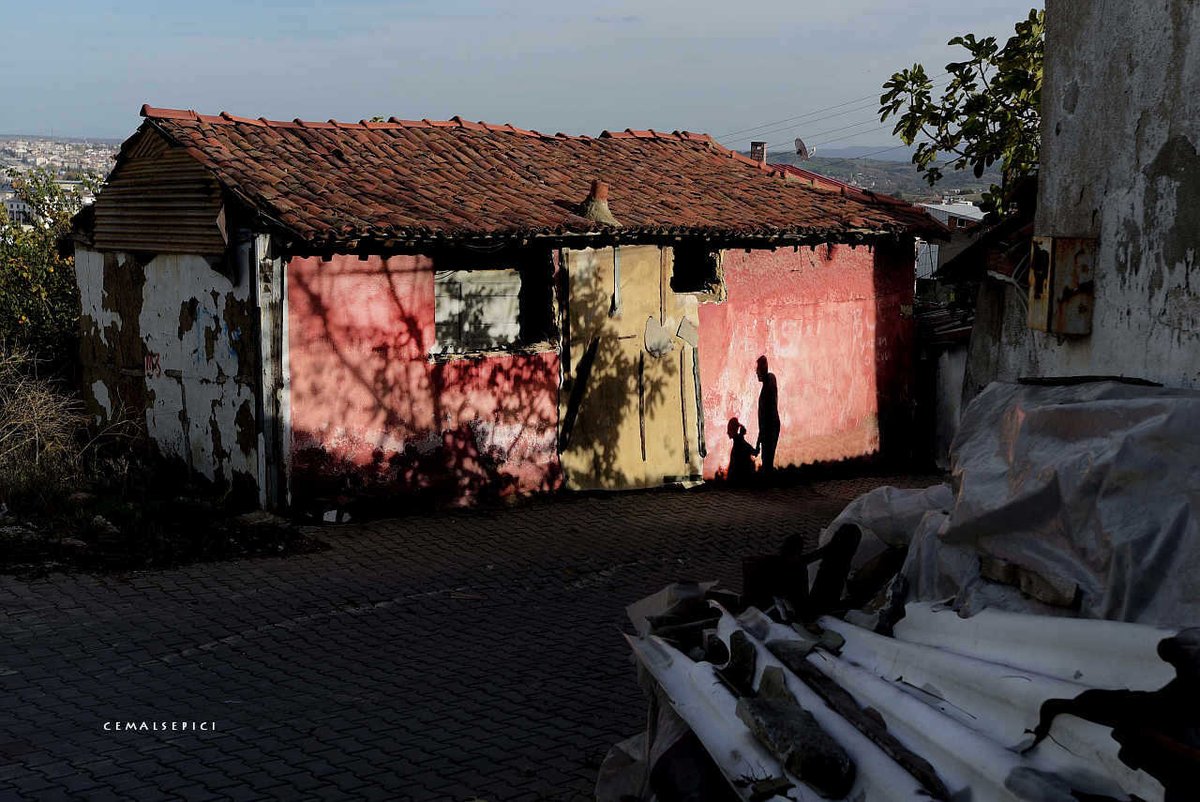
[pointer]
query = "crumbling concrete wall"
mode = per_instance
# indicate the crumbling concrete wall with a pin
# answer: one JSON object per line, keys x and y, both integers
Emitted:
{"x": 835, "y": 323}
{"x": 373, "y": 409}
{"x": 171, "y": 342}
{"x": 1120, "y": 135}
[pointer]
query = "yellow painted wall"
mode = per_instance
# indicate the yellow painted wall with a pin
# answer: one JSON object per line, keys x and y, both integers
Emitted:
{"x": 603, "y": 447}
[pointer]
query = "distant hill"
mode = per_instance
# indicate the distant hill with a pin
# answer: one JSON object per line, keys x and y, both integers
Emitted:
{"x": 898, "y": 178}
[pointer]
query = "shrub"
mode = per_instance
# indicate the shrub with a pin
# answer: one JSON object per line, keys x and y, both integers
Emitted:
{"x": 39, "y": 302}
{"x": 41, "y": 428}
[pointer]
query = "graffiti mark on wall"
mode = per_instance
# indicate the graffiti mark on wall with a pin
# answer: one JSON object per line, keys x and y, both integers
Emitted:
{"x": 153, "y": 365}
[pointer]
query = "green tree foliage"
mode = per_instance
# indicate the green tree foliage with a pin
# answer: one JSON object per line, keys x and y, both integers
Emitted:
{"x": 989, "y": 112}
{"x": 39, "y": 301}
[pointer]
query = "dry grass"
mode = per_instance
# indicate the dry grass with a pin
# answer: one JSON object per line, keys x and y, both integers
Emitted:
{"x": 41, "y": 434}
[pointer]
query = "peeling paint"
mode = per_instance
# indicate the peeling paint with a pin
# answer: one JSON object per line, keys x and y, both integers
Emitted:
{"x": 156, "y": 337}
{"x": 247, "y": 436}
{"x": 111, "y": 353}
{"x": 1119, "y": 163}
{"x": 187, "y": 316}
{"x": 89, "y": 274}
{"x": 100, "y": 394}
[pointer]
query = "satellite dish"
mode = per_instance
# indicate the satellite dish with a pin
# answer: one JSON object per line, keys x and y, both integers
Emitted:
{"x": 803, "y": 151}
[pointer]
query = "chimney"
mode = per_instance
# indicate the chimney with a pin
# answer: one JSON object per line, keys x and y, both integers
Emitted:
{"x": 596, "y": 206}
{"x": 758, "y": 152}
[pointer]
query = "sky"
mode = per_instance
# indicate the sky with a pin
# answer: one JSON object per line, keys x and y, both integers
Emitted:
{"x": 83, "y": 68}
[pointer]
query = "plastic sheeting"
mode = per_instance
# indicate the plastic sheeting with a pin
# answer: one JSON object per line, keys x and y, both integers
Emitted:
{"x": 1072, "y": 502}
{"x": 1069, "y": 500}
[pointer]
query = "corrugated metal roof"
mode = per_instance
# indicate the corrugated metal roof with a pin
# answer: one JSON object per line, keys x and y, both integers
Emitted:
{"x": 968, "y": 211}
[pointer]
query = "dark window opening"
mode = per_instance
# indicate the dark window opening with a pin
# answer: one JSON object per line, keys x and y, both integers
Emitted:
{"x": 697, "y": 269}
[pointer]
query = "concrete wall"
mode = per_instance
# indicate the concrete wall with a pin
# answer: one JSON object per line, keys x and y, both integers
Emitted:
{"x": 950, "y": 369}
{"x": 370, "y": 408}
{"x": 1121, "y": 128}
{"x": 172, "y": 342}
{"x": 835, "y": 323}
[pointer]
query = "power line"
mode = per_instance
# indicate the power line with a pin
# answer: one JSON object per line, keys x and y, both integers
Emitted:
{"x": 797, "y": 117}
{"x": 813, "y": 113}
{"x": 885, "y": 150}
{"x": 846, "y": 138}
{"x": 774, "y": 128}
{"x": 831, "y": 131}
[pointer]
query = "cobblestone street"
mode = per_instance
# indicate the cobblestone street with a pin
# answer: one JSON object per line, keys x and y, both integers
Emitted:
{"x": 470, "y": 655}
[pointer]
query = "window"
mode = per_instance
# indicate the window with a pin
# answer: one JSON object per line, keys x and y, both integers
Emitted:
{"x": 477, "y": 310}
{"x": 697, "y": 269}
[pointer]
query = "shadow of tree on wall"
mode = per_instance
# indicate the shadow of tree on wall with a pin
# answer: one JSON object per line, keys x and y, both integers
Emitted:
{"x": 612, "y": 385}
{"x": 380, "y": 417}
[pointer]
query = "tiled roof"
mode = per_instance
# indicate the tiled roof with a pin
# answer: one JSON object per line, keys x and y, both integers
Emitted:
{"x": 337, "y": 183}
{"x": 918, "y": 217}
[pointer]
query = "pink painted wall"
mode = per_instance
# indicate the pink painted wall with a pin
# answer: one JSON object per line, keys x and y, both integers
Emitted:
{"x": 831, "y": 324}
{"x": 370, "y": 410}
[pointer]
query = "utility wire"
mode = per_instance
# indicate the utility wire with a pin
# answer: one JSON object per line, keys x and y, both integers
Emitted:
{"x": 831, "y": 131}
{"x": 773, "y": 129}
{"x": 885, "y": 150}
{"x": 807, "y": 137}
{"x": 813, "y": 113}
{"x": 841, "y": 139}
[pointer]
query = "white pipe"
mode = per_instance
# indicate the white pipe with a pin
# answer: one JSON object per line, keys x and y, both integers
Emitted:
{"x": 710, "y": 710}
{"x": 1100, "y": 654}
{"x": 878, "y": 777}
{"x": 997, "y": 701}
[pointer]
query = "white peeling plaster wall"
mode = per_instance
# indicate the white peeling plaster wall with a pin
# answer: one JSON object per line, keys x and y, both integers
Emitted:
{"x": 191, "y": 370}
{"x": 1121, "y": 130}
{"x": 193, "y": 399}
{"x": 89, "y": 275}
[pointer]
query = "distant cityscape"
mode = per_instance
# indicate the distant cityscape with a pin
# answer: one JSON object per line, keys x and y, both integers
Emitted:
{"x": 69, "y": 160}
{"x": 66, "y": 158}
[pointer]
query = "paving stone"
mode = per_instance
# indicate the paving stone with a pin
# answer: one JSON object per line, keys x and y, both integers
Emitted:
{"x": 428, "y": 657}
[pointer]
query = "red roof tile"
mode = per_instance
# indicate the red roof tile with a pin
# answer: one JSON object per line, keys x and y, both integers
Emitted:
{"x": 920, "y": 218}
{"x": 330, "y": 182}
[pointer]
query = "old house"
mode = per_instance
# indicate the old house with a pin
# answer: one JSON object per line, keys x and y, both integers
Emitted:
{"x": 307, "y": 308}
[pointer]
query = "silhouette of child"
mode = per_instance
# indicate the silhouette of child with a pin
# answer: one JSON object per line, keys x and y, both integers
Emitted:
{"x": 741, "y": 457}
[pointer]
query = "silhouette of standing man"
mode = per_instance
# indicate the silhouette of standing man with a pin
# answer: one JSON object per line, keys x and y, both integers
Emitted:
{"x": 768, "y": 415}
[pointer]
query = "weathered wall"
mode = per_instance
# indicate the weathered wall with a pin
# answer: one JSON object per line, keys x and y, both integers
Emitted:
{"x": 1121, "y": 128}
{"x": 951, "y": 365}
{"x": 835, "y": 323}
{"x": 173, "y": 340}
{"x": 628, "y": 406}
{"x": 370, "y": 408}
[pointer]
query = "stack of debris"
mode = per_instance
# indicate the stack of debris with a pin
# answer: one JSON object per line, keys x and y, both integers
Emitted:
{"x": 940, "y": 324}
{"x": 1020, "y": 636}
